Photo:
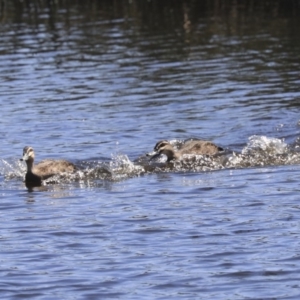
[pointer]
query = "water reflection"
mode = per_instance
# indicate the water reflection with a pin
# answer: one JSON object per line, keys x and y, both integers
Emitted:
{"x": 163, "y": 16}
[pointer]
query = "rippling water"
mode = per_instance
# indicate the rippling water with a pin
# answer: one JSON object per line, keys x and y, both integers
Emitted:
{"x": 99, "y": 84}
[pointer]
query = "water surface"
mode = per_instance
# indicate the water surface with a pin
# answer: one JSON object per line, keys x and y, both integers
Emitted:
{"x": 99, "y": 84}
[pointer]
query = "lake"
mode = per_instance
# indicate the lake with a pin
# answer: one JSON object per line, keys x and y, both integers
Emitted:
{"x": 99, "y": 83}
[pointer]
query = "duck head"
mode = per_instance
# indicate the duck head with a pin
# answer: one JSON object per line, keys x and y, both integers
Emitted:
{"x": 163, "y": 147}
{"x": 28, "y": 154}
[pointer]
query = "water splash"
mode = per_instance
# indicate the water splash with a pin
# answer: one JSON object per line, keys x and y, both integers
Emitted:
{"x": 266, "y": 145}
{"x": 263, "y": 151}
{"x": 259, "y": 151}
{"x": 118, "y": 168}
{"x": 12, "y": 169}
{"x": 122, "y": 167}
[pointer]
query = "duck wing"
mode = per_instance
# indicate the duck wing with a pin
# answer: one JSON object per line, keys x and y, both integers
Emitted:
{"x": 200, "y": 148}
{"x": 49, "y": 167}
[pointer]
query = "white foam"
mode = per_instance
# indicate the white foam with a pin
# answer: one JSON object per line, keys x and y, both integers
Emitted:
{"x": 121, "y": 166}
{"x": 12, "y": 169}
{"x": 266, "y": 144}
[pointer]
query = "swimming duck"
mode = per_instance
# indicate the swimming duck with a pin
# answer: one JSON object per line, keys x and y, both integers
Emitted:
{"x": 195, "y": 147}
{"x": 44, "y": 169}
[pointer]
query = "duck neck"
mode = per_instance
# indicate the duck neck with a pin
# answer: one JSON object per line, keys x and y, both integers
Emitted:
{"x": 29, "y": 163}
{"x": 171, "y": 154}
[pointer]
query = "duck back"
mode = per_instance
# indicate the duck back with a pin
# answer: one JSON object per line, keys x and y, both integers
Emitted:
{"x": 49, "y": 167}
{"x": 200, "y": 148}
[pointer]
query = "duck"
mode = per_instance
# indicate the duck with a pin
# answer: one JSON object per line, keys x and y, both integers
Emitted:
{"x": 194, "y": 147}
{"x": 45, "y": 169}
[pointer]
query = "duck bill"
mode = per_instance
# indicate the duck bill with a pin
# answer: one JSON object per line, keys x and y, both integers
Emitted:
{"x": 153, "y": 155}
{"x": 24, "y": 158}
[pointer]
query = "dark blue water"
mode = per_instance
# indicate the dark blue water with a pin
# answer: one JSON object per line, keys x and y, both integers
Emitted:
{"x": 99, "y": 84}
